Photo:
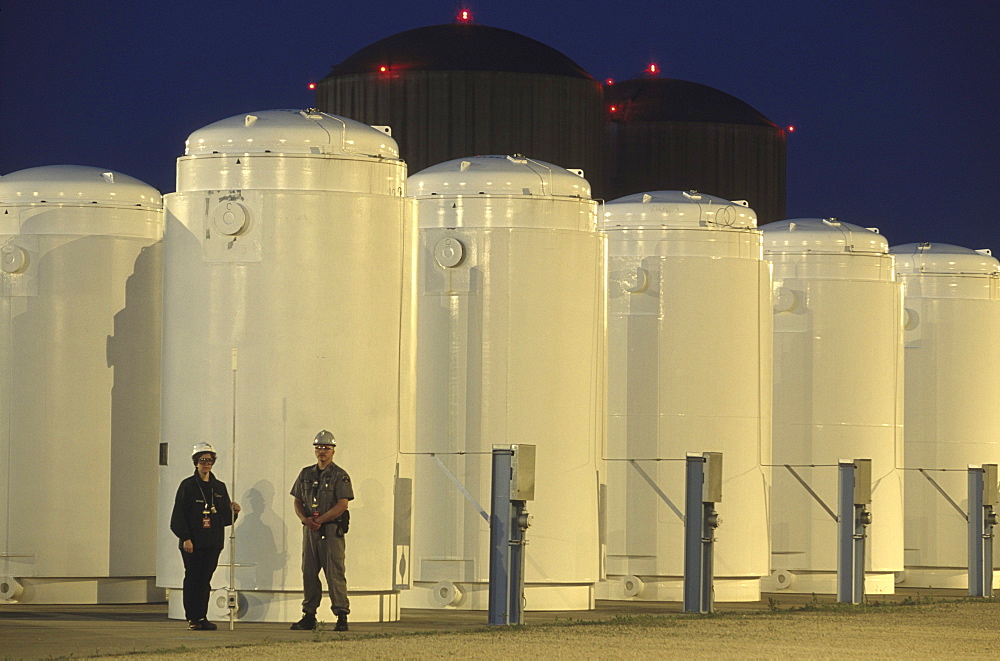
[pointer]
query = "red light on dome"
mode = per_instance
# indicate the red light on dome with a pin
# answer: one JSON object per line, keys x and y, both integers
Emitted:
{"x": 464, "y": 16}
{"x": 383, "y": 69}
{"x": 312, "y": 86}
{"x": 652, "y": 68}
{"x": 790, "y": 128}
{"x": 609, "y": 81}
{"x": 614, "y": 108}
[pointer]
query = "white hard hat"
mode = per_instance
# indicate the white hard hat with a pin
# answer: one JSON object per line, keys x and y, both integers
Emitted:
{"x": 201, "y": 448}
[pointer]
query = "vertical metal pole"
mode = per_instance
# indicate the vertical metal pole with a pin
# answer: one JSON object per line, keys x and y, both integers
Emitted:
{"x": 846, "y": 565}
{"x": 977, "y": 548}
{"x": 516, "y": 564}
{"x": 231, "y": 592}
{"x": 988, "y": 556}
{"x": 694, "y": 558}
{"x": 707, "y": 562}
{"x": 859, "y": 550}
{"x": 991, "y": 496}
{"x": 501, "y": 519}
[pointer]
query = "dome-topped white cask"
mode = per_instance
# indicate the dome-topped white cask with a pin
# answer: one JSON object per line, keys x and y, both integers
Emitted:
{"x": 689, "y": 370}
{"x": 289, "y": 240}
{"x": 80, "y": 287}
{"x": 952, "y": 322}
{"x": 510, "y": 350}
{"x": 838, "y": 394}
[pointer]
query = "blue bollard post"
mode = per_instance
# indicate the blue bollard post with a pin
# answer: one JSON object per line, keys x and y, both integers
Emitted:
{"x": 500, "y": 531}
{"x": 854, "y": 494}
{"x": 703, "y": 489}
{"x": 513, "y": 485}
{"x": 982, "y": 518}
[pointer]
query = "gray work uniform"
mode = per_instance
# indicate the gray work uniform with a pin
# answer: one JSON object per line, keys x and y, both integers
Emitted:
{"x": 323, "y": 549}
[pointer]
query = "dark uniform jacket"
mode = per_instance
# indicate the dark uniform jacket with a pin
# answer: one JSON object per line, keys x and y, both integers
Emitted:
{"x": 189, "y": 505}
{"x": 321, "y": 490}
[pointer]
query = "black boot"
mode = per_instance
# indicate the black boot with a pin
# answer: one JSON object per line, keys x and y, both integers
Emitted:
{"x": 307, "y": 623}
{"x": 341, "y": 623}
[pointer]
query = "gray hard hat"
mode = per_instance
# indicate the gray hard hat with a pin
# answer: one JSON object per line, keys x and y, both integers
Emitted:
{"x": 325, "y": 438}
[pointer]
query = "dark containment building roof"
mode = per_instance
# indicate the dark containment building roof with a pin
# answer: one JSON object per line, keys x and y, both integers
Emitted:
{"x": 671, "y": 100}
{"x": 665, "y": 134}
{"x": 460, "y": 47}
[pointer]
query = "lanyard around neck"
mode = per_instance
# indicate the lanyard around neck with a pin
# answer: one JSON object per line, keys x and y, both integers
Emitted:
{"x": 209, "y": 507}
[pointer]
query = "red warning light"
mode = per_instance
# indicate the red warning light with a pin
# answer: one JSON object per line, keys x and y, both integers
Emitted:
{"x": 790, "y": 128}
{"x": 464, "y": 16}
{"x": 383, "y": 69}
{"x": 652, "y": 68}
{"x": 609, "y": 81}
{"x": 312, "y": 86}
{"x": 614, "y": 108}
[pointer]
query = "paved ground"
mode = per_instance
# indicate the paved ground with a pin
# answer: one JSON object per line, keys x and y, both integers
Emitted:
{"x": 35, "y": 631}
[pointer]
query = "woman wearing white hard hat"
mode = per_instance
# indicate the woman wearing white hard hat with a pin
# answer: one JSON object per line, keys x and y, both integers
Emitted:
{"x": 202, "y": 510}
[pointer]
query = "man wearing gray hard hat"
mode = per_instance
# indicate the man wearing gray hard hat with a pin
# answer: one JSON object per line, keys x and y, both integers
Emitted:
{"x": 322, "y": 492}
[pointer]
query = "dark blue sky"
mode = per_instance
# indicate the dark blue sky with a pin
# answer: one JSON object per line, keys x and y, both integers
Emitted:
{"x": 895, "y": 103}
